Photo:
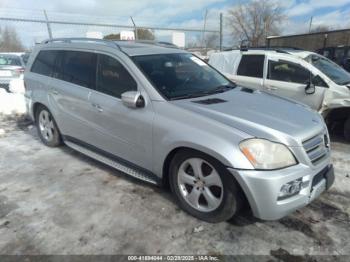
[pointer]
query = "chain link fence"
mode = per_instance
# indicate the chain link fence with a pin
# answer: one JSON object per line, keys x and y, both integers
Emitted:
{"x": 21, "y": 29}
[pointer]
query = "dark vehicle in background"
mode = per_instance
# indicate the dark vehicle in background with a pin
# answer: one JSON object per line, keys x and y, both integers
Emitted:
{"x": 11, "y": 67}
{"x": 339, "y": 54}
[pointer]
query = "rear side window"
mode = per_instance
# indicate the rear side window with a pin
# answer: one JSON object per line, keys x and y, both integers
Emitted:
{"x": 251, "y": 65}
{"x": 112, "y": 78}
{"x": 77, "y": 67}
{"x": 288, "y": 72}
{"x": 44, "y": 62}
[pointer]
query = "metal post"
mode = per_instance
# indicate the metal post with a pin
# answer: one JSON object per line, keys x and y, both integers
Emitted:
{"x": 204, "y": 25}
{"x": 221, "y": 31}
{"x": 135, "y": 28}
{"x": 48, "y": 25}
{"x": 310, "y": 24}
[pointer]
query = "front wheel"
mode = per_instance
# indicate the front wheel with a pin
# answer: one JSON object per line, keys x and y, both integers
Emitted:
{"x": 347, "y": 129}
{"x": 203, "y": 187}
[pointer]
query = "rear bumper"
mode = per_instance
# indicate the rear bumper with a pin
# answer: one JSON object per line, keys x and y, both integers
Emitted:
{"x": 262, "y": 188}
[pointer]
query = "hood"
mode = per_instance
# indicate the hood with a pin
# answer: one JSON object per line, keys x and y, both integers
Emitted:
{"x": 258, "y": 114}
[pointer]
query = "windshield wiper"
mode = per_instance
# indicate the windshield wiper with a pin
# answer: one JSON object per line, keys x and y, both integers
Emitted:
{"x": 194, "y": 95}
{"x": 220, "y": 89}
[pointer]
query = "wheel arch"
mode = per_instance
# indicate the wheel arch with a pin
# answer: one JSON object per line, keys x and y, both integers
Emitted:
{"x": 172, "y": 153}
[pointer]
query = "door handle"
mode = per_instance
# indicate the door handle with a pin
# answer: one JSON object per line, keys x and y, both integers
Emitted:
{"x": 54, "y": 92}
{"x": 98, "y": 107}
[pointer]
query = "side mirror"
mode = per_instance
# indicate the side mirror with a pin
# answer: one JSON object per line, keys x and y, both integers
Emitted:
{"x": 133, "y": 99}
{"x": 310, "y": 88}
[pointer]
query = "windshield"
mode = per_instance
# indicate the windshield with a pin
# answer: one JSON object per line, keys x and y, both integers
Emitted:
{"x": 6, "y": 60}
{"x": 330, "y": 69}
{"x": 183, "y": 75}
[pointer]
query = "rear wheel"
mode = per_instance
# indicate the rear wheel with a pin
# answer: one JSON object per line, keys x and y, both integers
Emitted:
{"x": 347, "y": 129}
{"x": 47, "y": 127}
{"x": 203, "y": 187}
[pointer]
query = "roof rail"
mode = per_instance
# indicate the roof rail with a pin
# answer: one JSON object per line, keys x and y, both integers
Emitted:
{"x": 82, "y": 39}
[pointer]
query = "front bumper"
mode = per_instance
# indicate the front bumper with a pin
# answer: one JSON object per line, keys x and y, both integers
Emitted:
{"x": 262, "y": 188}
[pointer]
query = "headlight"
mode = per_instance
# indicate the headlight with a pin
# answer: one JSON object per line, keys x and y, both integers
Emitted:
{"x": 264, "y": 154}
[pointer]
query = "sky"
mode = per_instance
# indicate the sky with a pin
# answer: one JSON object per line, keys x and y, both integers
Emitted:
{"x": 176, "y": 13}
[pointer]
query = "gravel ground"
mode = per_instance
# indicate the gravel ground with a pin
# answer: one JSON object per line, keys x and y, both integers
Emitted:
{"x": 57, "y": 201}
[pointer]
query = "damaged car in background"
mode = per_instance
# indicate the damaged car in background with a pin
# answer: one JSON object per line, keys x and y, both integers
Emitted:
{"x": 162, "y": 115}
{"x": 296, "y": 74}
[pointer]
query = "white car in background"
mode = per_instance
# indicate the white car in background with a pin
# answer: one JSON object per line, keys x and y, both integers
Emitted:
{"x": 300, "y": 75}
{"x": 12, "y": 68}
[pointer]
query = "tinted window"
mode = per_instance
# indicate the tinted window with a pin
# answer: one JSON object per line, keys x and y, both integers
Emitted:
{"x": 288, "y": 72}
{"x": 251, "y": 65}
{"x": 77, "y": 67}
{"x": 112, "y": 78}
{"x": 44, "y": 62}
{"x": 181, "y": 75}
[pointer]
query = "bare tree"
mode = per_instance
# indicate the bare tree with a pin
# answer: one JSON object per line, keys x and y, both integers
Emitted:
{"x": 9, "y": 40}
{"x": 255, "y": 20}
{"x": 320, "y": 28}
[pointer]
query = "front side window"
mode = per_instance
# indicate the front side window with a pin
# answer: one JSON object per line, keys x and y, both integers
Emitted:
{"x": 181, "y": 75}
{"x": 336, "y": 73}
{"x": 252, "y": 66}
{"x": 112, "y": 77}
{"x": 287, "y": 72}
{"x": 44, "y": 62}
{"x": 77, "y": 67}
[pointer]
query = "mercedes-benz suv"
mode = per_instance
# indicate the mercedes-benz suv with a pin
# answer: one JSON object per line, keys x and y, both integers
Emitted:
{"x": 163, "y": 115}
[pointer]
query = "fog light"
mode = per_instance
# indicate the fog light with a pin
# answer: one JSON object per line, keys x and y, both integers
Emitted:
{"x": 290, "y": 189}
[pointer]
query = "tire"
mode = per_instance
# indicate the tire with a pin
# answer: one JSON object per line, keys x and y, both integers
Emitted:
{"x": 226, "y": 197}
{"x": 47, "y": 128}
{"x": 347, "y": 129}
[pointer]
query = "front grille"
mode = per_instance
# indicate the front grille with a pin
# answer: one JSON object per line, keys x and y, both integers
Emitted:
{"x": 4, "y": 86}
{"x": 316, "y": 148}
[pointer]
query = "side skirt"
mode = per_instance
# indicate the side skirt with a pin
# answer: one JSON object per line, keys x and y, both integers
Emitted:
{"x": 112, "y": 160}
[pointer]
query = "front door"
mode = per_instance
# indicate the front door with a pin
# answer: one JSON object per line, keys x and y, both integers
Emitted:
{"x": 289, "y": 79}
{"x": 121, "y": 131}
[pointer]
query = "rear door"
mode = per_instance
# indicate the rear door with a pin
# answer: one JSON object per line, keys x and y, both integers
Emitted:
{"x": 73, "y": 80}
{"x": 250, "y": 71}
{"x": 119, "y": 130}
{"x": 289, "y": 79}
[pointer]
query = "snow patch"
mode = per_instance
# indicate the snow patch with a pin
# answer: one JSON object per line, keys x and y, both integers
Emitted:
{"x": 12, "y": 103}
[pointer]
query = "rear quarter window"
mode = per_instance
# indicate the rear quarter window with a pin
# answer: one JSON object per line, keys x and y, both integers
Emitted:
{"x": 251, "y": 65}
{"x": 44, "y": 62}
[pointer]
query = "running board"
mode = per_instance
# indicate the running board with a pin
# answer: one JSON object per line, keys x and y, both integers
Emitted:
{"x": 113, "y": 163}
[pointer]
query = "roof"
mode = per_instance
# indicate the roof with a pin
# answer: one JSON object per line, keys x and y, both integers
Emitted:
{"x": 282, "y": 51}
{"x": 131, "y": 48}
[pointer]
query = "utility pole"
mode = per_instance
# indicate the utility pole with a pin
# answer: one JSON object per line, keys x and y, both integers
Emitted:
{"x": 310, "y": 24}
{"x": 48, "y": 25}
{"x": 221, "y": 31}
{"x": 204, "y": 25}
{"x": 135, "y": 28}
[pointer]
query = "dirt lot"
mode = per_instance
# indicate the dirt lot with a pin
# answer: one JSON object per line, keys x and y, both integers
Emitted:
{"x": 57, "y": 201}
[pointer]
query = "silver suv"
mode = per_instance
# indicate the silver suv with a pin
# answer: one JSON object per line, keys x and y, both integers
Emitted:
{"x": 163, "y": 115}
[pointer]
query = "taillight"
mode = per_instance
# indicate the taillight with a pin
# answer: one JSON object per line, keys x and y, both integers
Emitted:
{"x": 19, "y": 70}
